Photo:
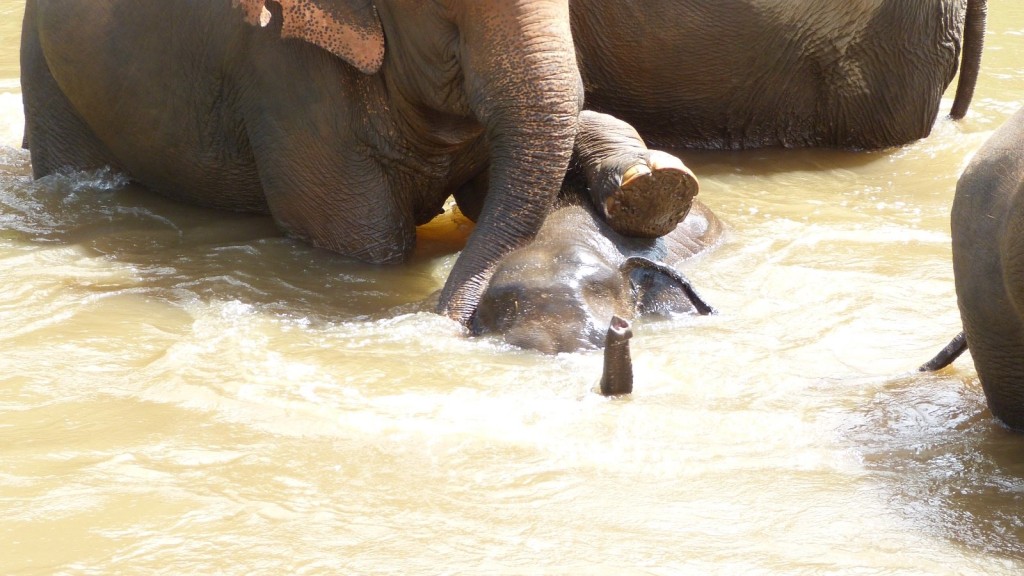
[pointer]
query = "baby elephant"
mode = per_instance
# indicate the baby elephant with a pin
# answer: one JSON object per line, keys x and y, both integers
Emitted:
{"x": 558, "y": 293}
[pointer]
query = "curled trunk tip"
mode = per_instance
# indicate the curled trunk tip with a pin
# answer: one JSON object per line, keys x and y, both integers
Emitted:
{"x": 617, "y": 378}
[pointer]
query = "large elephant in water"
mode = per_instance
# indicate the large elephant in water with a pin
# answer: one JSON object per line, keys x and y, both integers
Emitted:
{"x": 751, "y": 73}
{"x": 988, "y": 267}
{"x": 349, "y": 121}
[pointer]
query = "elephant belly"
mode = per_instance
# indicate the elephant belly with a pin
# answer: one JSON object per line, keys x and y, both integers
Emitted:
{"x": 147, "y": 104}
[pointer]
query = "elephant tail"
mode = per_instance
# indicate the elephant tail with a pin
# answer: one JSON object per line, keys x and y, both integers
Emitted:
{"x": 970, "y": 63}
{"x": 947, "y": 355}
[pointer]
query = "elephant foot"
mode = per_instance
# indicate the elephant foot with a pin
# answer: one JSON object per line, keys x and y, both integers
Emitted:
{"x": 652, "y": 198}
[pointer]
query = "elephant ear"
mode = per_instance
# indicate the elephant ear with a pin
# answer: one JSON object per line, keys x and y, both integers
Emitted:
{"x": 349, "y": 29}
{"x": 661, "y": 289}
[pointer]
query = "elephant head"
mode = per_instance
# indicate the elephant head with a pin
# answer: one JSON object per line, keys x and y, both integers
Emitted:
{"x": 988, "y": 266}
{"x": 557, "y": 293}
{"x": 457, "y": 72}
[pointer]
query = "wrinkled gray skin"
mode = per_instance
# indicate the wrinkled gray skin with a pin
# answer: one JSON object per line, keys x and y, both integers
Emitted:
{"x": 347, "y": 144}
{"x": 988, "y": 266}
{"x": 558, "y": 293}
{"x": 752, "y": 73}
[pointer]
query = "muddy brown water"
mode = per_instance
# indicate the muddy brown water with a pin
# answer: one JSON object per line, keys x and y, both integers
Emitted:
{"x": 187, "y": 392}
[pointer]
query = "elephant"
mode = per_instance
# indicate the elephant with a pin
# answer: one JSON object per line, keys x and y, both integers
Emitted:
{"x": 732, "y": 74}
{"x": 349, "y": 121}
{"x": 556, "y": 293}
{"x": 987, "y": 225}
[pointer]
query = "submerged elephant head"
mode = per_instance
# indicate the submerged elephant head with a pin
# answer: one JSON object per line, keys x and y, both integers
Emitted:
{"x": 558, "y": 293}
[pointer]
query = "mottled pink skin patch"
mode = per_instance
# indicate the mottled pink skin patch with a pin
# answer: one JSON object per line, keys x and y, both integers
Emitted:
{"x": 350, "y": 30}
{"x": 253, "y": 9}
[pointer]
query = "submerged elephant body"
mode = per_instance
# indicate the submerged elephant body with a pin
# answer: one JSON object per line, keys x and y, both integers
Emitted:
{"x": 988, "y": 265}
{"x": 558, "y": 293}
{"x": 753, "y": 73}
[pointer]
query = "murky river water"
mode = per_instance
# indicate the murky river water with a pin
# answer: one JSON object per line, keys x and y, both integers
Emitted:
{"x": 187, "y": 392}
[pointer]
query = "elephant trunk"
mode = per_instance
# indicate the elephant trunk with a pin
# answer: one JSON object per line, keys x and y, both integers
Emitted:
{"x": 528, "y": 99}
{"x": 946, "y": 356}
{"x": 617, "y": 378}
{"x": 970, "y": 63}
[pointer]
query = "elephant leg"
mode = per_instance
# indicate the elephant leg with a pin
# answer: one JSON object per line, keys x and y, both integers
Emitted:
{"x": 365, "y": 222}
{"x": 55, "y": 134}
{"x": 322, "y": 184}
{"x": 638, "y": 192}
